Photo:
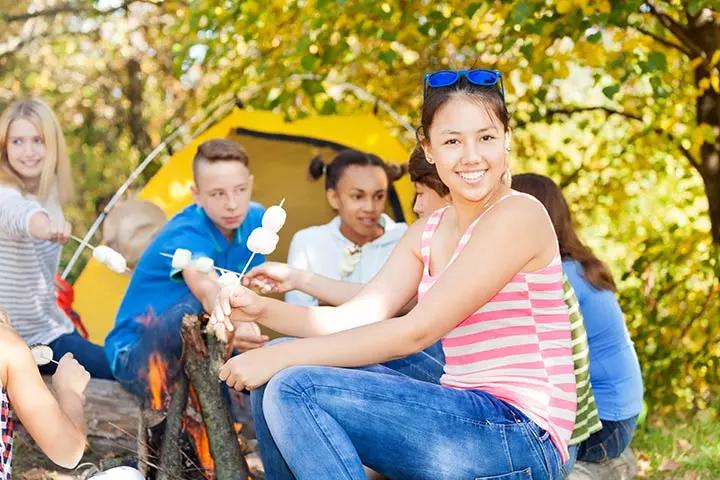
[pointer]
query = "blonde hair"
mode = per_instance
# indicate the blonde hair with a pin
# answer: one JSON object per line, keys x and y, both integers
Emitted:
{"x": 56, "y": 165}
{"x": 131, "y": 226}
{"x": 4, "y": 317}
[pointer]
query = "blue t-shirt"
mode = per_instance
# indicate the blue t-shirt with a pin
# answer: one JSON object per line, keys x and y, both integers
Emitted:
{"x": 614, "y": 368}
{"x": 154, "y": 286}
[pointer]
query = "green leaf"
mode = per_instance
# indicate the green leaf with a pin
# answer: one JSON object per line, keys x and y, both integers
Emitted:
{"x": 594, "y": 37}
{"x": 527, "y": 50}
{"x": 520, "y": 12}
{"x": 329, "y": 107}
{"x": 388, "y": 36}
{"x": 388, "y": 56}
{"x": 308, "y": 62}
{"x": 611, "y": 90}
{"x": 657, "y": 62}
{"x": 312, "y": 87}
{"x": 472, "y": 8}
{"x": 303, "y": 44}
{"x": 694, "y": 6}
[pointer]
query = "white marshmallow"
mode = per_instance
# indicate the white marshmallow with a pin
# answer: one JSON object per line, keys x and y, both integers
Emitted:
{"x": 42, "y": 354}
{"x": 204, "y": 264}
{"x": 262, "y": 241}
{"x": 181, "y": 259}
{"x": 274, "y": 218}
{"x": 116, "y": 262}
{"x": 120, "y": 473}
{"x": 101, "y": 253}
{"x": 228, "y": 279}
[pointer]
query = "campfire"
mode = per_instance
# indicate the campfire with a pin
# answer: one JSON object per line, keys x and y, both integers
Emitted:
{"x": 190, "y": 432}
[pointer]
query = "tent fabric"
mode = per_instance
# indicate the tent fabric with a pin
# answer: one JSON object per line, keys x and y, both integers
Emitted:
{"x": 279, "y": 153}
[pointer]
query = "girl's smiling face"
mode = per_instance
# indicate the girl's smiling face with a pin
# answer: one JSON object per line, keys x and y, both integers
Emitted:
{"x": 25, "y": 150}
{"x": 468, "y": 146}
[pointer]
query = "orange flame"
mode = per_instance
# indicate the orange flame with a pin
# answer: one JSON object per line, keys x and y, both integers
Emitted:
{"x": 157, "y": 381}
{"x": 198, "y": 432}
{"x": 202, "y": 444}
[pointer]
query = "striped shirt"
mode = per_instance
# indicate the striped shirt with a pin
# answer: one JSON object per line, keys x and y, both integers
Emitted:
{"x": 517, "y": 346}
{"x": 6, "y": 435}
{"x": 587, "y": 420}
{"x": 27, "y": 269}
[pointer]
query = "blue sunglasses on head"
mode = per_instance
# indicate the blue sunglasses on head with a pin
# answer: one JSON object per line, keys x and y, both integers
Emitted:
{"x": 479, "y": 76}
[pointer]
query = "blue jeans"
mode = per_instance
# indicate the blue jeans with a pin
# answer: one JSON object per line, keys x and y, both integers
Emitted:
{"x": 89, "y": 355}
{"x": 608, "y": 443}
{"x": 162, "y": 336}
{"x": 322, "y": 422}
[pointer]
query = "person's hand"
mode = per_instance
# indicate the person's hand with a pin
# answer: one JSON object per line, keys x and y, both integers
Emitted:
{"x": 248, "y": 336}
{"x": 251, "y": 369}
{"x": 236, "y": 304}
{"x": 60, "y": 231}
{"x": 272, "y": 277}
{"x": 70, "y": 376}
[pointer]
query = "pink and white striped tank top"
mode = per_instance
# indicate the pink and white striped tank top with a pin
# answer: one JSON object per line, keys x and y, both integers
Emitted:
{"x": 517, "y": 346}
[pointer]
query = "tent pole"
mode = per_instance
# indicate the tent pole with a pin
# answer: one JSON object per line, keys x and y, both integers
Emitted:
{"x": 123, "y": 188}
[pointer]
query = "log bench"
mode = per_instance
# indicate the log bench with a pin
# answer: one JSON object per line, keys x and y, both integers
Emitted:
{"x": 112, "y": 416}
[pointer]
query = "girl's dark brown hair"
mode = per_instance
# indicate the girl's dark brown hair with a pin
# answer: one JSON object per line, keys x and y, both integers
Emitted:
{"x": 489, "y": 97}
{"x": 550, "y": 195}
{"x": 334, "y": 170}
{"x": 425, "y": 173}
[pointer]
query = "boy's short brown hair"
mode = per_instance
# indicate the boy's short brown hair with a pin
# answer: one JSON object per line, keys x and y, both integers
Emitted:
{"x": 219, "y": 150}
{"x": 425, "y": 173}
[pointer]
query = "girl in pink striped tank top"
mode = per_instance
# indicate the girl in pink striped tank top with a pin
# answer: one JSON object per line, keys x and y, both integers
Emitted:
{"x": 487, "y": 274}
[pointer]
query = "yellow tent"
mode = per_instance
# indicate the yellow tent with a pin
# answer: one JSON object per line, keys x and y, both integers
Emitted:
{"x": 279, "y": 153}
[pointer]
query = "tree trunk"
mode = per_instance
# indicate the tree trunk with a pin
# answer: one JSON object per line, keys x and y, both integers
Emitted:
{"x": 704, "y": 30}
{"x": 138, "y": 128}
{"x": 204, "y": 354}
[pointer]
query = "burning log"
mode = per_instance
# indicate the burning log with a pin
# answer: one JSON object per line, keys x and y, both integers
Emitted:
{"x": 170, "y": 454}
{"x": 204, "y": 354}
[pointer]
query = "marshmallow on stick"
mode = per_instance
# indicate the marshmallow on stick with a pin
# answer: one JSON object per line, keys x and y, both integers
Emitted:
{"x": 182, "y": 259}
{"x": 264, "y": 239}
{"x": 42, "y": 354}
{"x": 107, "y": 256}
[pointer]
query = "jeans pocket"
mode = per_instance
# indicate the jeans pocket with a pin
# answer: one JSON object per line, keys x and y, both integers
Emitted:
{"x": 517, "y": 475}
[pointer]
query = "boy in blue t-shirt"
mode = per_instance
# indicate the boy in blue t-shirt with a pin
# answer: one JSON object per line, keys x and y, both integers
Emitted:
{"x": 217, "y": 226}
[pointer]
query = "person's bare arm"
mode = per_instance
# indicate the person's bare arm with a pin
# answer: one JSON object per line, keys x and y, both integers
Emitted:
{"x": 461, "y": 290}
{"x": 387, "y": 293}
{"x": 276, "y": 277}
{"x": 203, "y": 286}
{"x": 21, "y": 217}
{"x": 516, "y": 236}
{"x": 57, "y": 424}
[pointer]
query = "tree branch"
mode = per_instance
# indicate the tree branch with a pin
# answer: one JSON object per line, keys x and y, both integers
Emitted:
{"x": 610, "y": 111}
{"x": 676, "y": 29}
{"x": 607, "y": 110}
{"x": 663, "y": 41}
{"x": 53, "y": 11}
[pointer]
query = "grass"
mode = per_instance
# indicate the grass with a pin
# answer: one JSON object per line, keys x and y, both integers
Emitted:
{"x": 685, "y": 450}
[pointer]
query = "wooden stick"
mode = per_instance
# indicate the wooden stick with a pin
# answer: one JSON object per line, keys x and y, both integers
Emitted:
{"x": 204, "y": 354}
{"x": 221, "y": 270}
{"x": 247, "y": 265}
{"x": 170, "y": 453}
{"x": 81, "y": 242}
